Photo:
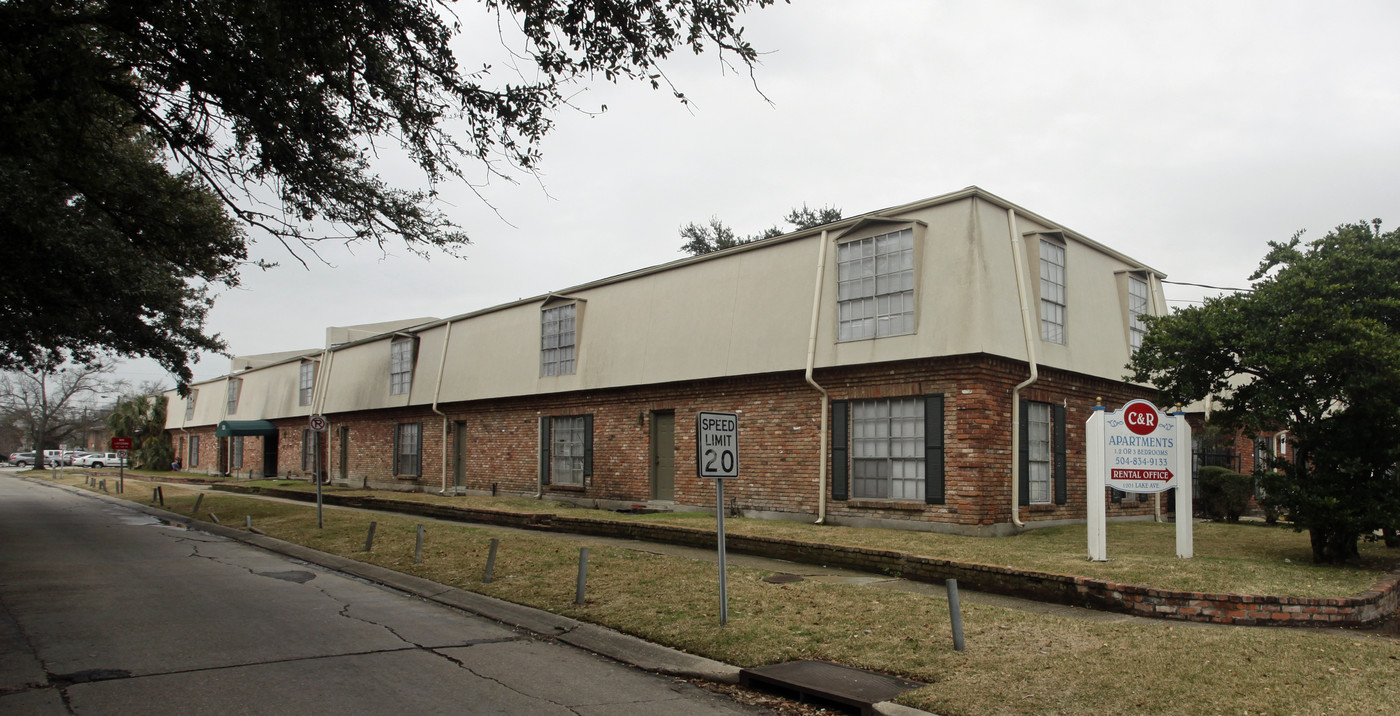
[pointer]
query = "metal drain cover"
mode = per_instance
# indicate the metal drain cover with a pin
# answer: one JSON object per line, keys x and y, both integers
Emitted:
{"x": 830, "y": 682}
{"x": 783, "y": 578}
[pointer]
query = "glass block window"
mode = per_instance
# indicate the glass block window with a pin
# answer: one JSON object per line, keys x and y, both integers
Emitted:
{"x": 235, "y": 387}
{"x": 1137, "y": 308}
{"x": 189, "y": 404}
{"x": 307, "y": 381}
{"x": 400, "y": 366}
{"x": 1039, "y": 453}
{"x": 887, "y": 449}
{"x": 236, "y": 452}
{"x": 194, "y": 452}
{"x": 1052, "y": 292}
{"x": 566, "y": 450}
{"x": 557, "y": 340}
{"x": 875, "y": 286}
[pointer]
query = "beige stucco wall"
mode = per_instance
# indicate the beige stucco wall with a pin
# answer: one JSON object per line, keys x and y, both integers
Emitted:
{"x": 749, "y": 311}
{"x": 740, "y": 312}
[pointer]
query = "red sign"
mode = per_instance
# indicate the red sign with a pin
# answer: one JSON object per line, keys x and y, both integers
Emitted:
{"x": 121, "y": 443}
{"x": 1140, "y": 418}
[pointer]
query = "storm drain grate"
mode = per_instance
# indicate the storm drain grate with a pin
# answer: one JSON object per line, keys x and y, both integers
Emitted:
{"x": 813, "y": 680}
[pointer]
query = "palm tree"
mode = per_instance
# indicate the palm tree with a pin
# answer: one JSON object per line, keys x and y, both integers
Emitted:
{"x": 142, "y": 418}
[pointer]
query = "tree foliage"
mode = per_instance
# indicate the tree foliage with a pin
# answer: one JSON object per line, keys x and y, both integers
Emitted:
{"x": 142, "y": 140}
{"x": 703, "y": 239}
{"x": 47, "y": 405}
{"x": 1313, "y": 348}
{"x": 142, "y": 418}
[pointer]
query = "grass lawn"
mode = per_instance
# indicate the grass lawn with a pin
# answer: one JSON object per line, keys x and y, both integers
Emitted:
{"x": 1230, "y": 558}
{"x": 1015, "y": 662}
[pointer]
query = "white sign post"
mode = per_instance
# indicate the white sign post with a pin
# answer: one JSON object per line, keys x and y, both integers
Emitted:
{"x": 717, "y": 458}
{"x": 1143, "y": 450}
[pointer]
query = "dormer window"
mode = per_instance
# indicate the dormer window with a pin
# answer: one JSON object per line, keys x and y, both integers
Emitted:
{"x": 235, "y": 386}
{"x": 558, "y": 339}
{"x": 1052, "y": 291}
{"x": 875, "y": 286}
{"x": 400, "y": 366}
{"x": 306, "y": 382}
{"x": 1137, "y": 308}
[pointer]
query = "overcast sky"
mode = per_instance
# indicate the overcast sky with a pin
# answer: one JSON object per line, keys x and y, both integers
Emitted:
{"x": 1184, "y": 134}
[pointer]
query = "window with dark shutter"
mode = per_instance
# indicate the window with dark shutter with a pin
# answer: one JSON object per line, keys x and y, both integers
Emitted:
{"x": 840, "y": 462}
{"x": 933, "y": 450}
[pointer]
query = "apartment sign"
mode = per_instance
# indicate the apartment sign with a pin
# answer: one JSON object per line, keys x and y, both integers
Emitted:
{"x": 1137, "y": 448}
{"x": 1141, "y": 448}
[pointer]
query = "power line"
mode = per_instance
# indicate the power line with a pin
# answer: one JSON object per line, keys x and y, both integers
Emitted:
{"x": 1203, "y": 285}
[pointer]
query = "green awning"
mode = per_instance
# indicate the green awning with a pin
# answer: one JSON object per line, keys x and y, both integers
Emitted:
{"x": 245, "y": 427}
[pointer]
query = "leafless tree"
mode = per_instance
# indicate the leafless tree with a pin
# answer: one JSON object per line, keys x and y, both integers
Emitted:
{"x": 46, "y": 404}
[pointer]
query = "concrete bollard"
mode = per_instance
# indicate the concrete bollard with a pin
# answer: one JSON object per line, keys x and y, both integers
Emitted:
{"x": 369, "y": 538}
{"x": 248, "y": 521}
{"x": 582, "y": 576}
{"x": 418, "y": 547}
{"x": 215, "y": 517}
{"x": 490, "y": 562}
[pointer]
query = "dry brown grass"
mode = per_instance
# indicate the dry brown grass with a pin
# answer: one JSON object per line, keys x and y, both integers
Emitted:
{"x": 1016, "y": 662}
{"x": 1230, "y": 558}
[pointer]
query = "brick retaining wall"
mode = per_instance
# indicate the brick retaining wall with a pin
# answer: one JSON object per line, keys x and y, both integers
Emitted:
{"x": 1244, "y": 609}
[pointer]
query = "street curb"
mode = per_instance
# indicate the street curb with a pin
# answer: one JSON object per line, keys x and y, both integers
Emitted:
{"x": 600, "y": 640}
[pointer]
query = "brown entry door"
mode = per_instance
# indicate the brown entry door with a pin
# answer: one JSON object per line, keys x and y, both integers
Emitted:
{"x": 663, "y": 456}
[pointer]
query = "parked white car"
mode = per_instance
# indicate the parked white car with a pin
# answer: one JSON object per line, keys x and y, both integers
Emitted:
{"x": 69, "y": 456}
{"x": 100, "y": 459}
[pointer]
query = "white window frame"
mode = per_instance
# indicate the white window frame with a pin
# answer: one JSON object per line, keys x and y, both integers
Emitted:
{"x": 1054, "y": 302}
{"x": 400, "y": 366}
{"x": 1138, "y": 306}
{"x": 1040, "y": 453}
{"x": 887, "y": 449}
{"x": 559, "y": 340}
{"x": 567, "y": 450}
{"x": 306, "y": 382}
{"x": 875, "y": 280}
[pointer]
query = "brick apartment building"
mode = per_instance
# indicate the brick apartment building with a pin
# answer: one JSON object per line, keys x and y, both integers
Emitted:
{"x": 930, "y": 365}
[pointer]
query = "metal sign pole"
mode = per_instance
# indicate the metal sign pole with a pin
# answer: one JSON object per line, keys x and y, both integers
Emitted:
{"x": 719, "y": 534}
{"x": 316, "y": 474}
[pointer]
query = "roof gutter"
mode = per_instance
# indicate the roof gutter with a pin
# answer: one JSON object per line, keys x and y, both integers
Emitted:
{"x": 1018, "y": 252}
{"x": 811, "y": 364}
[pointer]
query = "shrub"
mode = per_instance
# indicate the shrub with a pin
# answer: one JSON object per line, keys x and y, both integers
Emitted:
{"x": 1224, "y": 493}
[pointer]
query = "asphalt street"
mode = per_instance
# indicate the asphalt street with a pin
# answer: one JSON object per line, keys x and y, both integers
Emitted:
{"x": 108, "y": 610}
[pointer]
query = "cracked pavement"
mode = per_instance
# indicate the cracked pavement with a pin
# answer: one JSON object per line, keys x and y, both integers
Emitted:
{"x": 105, "y": 610}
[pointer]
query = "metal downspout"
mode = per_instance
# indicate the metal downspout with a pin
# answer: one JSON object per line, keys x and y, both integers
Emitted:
{"x": 437, "y": 393}
{"x": 811, "y": 363}
{"x": 1018, "y": 251}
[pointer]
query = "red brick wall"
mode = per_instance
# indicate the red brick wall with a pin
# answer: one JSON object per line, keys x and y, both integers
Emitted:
{"x": 779, "y": 440}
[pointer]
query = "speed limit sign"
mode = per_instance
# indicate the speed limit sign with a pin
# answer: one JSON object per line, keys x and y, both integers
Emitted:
{"x": 318, "y": 423}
